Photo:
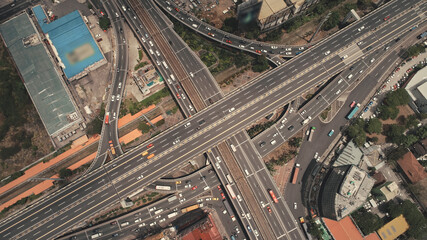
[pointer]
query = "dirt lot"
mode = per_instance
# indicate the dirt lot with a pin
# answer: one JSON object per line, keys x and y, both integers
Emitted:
{"x": 213, "y": 12}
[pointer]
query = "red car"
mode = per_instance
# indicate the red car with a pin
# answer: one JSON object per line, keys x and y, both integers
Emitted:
{"x": 177, "y": 86}
{"x": 210, "y": 34}
{"x": 177, "y": 94}
{"x": 194, "y": 188}
{"x": 177, "y": 9}
{"x": 222, "y": 195}
{"x": 149, "y": 145}
{"x": 219, "y": 188}
{"x": 269, "y": 209}
{"x": 352, "y": 104}
{"x": 386, "y": 18}
{"x": 258, "y": 51}
{"x": 228, "y": 41}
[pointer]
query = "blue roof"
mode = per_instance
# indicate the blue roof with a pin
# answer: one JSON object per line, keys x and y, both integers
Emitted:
{"x": 67, "y": 34}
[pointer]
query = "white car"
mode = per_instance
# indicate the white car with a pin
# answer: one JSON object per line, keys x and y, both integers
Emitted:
{"x": 118, "y": 97}
{"x": 140, "y": 177}
{"x": 361, "y": 28}
{"x": 316, "y": 155}
{"x": 295, "y": 205}
{"x": 301, "y": 48}
{"x": 112, "y": 98}
{"x": 241, "y": 46}
{"x": 359, "y": 43}
{"x": 273, "y": 47}
{"x": 288, "y": 49}
{"x": 120, "y": 85}
{"x": 231, "y": 109}
{"x": 284, "y": 120}
{"x": 327, "y": 53}
{"x": 191, "y": 74}
{"x": 264, "y": 50}
{"x": 288, "y": 53}
{"x": 281, "y": 126}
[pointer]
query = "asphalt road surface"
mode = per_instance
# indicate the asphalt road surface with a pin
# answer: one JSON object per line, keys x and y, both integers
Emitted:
{"x": 106, "y": 186}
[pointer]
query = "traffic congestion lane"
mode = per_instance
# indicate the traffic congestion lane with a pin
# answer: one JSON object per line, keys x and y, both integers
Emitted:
{"x": 251, "y": 85}
{"x": 262, "y": 183}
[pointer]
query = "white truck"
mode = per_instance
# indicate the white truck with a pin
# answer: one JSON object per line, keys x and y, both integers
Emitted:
{"x": 95, "y": 236}
{"x": 306, "y": 120}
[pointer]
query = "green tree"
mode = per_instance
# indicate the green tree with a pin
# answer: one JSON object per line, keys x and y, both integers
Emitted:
{"x": 332, "y": 21}
{"x": 160, "y": 123}
{"x": 104, "y": 22}
{"x": 367, "y": 221}
{"x": 364, "y": 4}
{"x": 94, "y": 127}
{"x": 356, "y": 132}
{"x": 397, "y": 153}
{"x": 295, "y": 141}
{"x": 65, "y": 172}
{"x": 411, "y": 121}
{"x": 416, "y": 220}
{"x": 395, "y": 133}
{"x": 408, "y": 140}
{"x": 374, "y": 126}
{"x": 415, "y": 50}
{"x": 274, "y": 35}
{"x": 260, "y": 64}
{"x": 230, "y": 25}
{"x": 397, "y": 98}
{"x": 144, "y": 127}
{"x": 387, "y": 112}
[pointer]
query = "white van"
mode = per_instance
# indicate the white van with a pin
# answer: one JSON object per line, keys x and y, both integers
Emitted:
{"x": 350, "y": 76}
{"x": 194, "y": 25}
{"x": 273, "y": 142}
{"x": 151, "y": 51}
{"x": 151, "y": 43}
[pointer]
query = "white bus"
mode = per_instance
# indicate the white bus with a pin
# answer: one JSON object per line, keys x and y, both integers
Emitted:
{"x": 229, "y": 178}
{"x": 166, "y": 188}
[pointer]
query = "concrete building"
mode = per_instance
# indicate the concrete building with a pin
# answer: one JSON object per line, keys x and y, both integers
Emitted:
{"x": 350, "y": 155}
{"x": 390, "y": 190}
{"x": 417, "y": 89}
{"x": 270, "y": 14}
{"x": 41, "y": 77}
{"x": 344, "y": 190}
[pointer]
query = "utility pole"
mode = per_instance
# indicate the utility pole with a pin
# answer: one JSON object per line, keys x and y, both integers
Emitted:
{"x": 321, "y": 23}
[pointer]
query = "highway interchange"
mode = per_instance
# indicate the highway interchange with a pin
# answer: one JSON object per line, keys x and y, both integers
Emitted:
{"x": 104, "y": 187}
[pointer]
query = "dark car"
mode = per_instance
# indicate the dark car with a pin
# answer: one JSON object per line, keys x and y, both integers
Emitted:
{"x": 262, "y": 144}
{"x": 115, "y": 235}
{"x": 290, "y": 128}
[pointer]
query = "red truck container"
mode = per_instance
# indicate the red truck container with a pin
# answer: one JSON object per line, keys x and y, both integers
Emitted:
{"x": 107, "y": 116}
{"x": 296, "y": 171}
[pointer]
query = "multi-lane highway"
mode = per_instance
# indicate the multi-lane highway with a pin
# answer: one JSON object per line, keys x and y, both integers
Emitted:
{"x": 109, "y": 134}
{"x": 158, "y": 214}
{"x": 104, "y": 187}
{"x": 252, "y": 46}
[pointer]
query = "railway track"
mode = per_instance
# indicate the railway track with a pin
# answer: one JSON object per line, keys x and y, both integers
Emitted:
{"x": 170, "y": 57}
{"x": 264, "y": 228}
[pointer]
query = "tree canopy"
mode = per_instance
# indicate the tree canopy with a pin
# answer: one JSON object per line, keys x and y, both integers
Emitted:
{"x": 367, "y": 221}
{"x": 104, "y": 22}
{"x": 260, "y": 64}
{"x": 416, "y": 220}
{"x": 374, "y": 126}
{"x": 356, "y": 132}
